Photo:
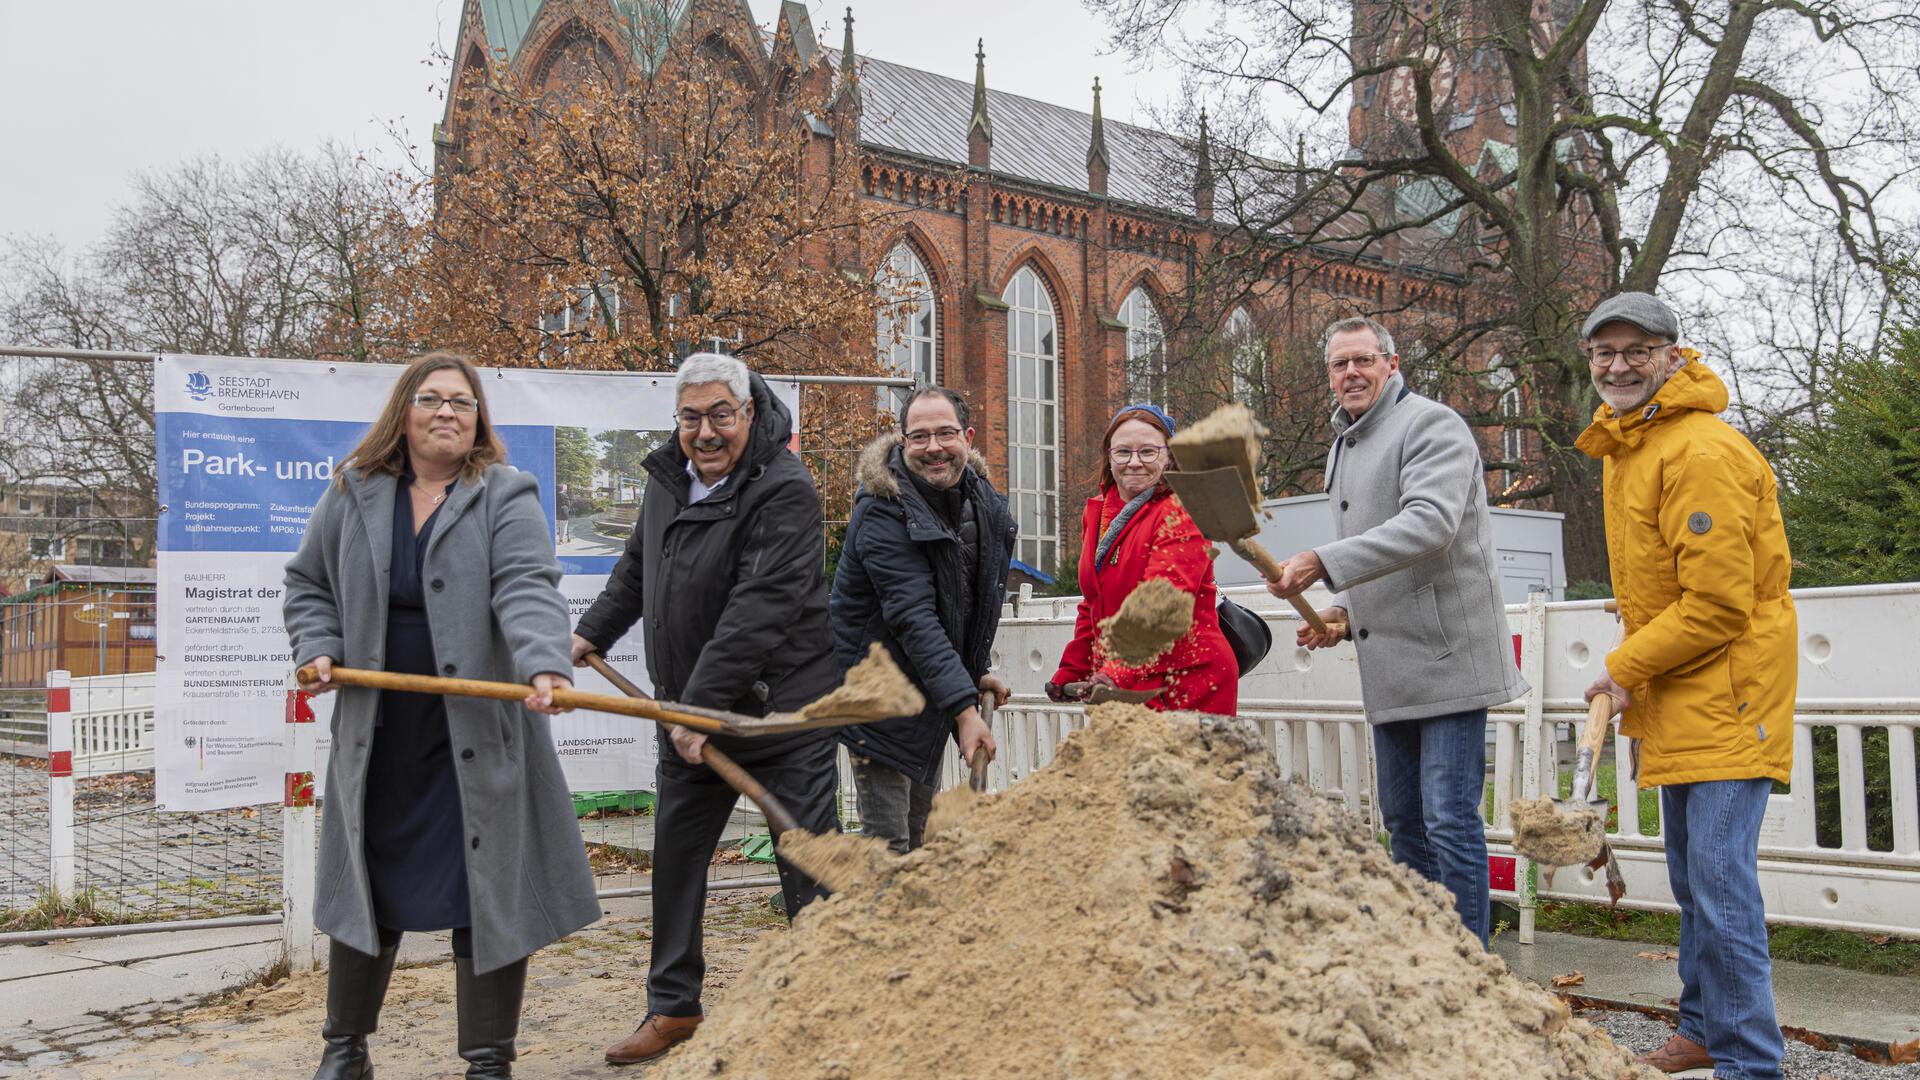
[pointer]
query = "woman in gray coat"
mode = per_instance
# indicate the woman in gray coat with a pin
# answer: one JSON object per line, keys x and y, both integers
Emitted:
{"x": 429, "y": 555}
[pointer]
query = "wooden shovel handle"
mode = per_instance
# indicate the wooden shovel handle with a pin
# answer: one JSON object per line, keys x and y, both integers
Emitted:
{"x": 982, "y": 756}
{"x": 1593, "y": 734}
{"x": 737, "y": 778}
{"x": 1250, "y": 550}
{"x": 502, "y": 691}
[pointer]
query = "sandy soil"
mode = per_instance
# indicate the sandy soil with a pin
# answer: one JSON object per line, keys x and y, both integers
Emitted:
{"x": 1547, "y": 836}
{"x": 1156, "y": 902}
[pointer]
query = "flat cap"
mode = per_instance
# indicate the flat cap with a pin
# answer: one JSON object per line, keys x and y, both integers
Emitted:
{"x": 1643, "y": 310}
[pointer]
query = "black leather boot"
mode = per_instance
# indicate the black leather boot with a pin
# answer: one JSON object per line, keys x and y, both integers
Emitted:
{"x": 356, "y": 987}
{"x": 489, "y": 1007}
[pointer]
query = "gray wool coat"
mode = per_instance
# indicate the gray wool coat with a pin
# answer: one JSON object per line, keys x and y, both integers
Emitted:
{"x": 494, "y": 604}
{"x": 1414, "y": 562}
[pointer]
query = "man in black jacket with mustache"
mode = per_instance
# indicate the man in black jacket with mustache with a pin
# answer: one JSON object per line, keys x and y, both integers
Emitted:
{"x": 726, "y": 568}
{"x": 922, "y": 571}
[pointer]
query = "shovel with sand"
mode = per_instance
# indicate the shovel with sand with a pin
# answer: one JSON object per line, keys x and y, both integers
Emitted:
{"x": 1573, "y": 830}
{"x": 874, "y": 689}
{"x": 1219, "y": 459}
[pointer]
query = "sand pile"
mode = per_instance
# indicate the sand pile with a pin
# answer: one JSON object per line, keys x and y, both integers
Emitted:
{"x": 1154, "y": 903}
{"x": 875, "y": 688}
{"x": 1547, "y": 836}
{"x": 1152, "y": 617}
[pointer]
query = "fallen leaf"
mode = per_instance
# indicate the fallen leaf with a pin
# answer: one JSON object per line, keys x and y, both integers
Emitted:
{"x": 1571, "y": 978}
{"x": 1906, "y": 1053}
{"x": 1879, "y": 939}
{"x": 1658, "y": 955}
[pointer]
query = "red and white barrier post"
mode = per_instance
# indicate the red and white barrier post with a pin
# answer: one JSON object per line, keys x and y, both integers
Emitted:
{"x": 60, "y": 780}
{"x": 296, "y": 830}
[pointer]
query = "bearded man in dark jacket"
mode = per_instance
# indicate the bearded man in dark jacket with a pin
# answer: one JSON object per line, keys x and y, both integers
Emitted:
{"x": 726, "y": 569}
{"x": 922, "y": 571}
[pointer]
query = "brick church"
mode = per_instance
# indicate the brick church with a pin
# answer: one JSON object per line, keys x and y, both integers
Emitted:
{"x": 1041, "y": 247}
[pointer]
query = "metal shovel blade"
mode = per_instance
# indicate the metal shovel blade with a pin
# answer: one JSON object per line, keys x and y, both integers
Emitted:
{"x": 1104, "y": 693}
{"x": 1217, "y": 501}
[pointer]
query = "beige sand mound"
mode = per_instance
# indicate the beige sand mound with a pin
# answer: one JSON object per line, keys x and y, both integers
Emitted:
{"x": 1156, "y": 902}
{"x": 1547, "y": 836}
{"x": 840, "y": 861}
{"x": 875, "y": 688}
{"x": 1152, "y": 617}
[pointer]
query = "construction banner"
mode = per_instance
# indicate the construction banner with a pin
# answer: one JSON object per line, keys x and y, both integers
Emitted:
{"x": 245, "y": 449}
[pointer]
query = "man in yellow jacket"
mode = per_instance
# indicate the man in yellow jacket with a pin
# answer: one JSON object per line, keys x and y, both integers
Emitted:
{"x": 1707, "y": 672}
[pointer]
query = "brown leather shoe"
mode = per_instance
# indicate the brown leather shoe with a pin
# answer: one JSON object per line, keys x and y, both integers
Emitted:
{"x": 655, "y": 1036}
{"x": 1678, "y": 1055}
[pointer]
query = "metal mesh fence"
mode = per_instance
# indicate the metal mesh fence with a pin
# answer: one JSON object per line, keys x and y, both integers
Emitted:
{"x": 77, "y": 593}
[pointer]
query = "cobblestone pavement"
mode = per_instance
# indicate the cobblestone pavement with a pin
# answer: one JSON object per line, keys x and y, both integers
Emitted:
{"x": 138, "y": 862}
{"x": 144, "y": 864}
{"x": 583, "y": 994}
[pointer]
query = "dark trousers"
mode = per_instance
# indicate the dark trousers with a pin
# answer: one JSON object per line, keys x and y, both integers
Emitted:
{"x": 1432, "y": 775}
{"x": 893, "y": 805}
{"x": 691, "y": 812}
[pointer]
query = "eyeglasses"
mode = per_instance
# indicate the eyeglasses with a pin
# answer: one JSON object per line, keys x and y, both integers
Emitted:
{"x": 1636, "y": 356}
{"x": 431, "y": 403}
{"x": 920, "y": 440}
{"x": 1147, "y": 454}
{"x": 1358, "y": 362}
{"x": 722, "y": 418}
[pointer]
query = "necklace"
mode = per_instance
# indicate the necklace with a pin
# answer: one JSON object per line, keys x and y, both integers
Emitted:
{"x": 437, "y": 499}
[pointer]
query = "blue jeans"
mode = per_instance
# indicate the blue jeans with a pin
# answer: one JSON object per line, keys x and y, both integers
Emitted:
{"x": 1432, "y": 776}
{"x": 1712, "y": 832}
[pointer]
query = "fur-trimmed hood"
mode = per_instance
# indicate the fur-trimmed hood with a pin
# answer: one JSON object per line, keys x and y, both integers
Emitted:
{"x": 876, "y": 476}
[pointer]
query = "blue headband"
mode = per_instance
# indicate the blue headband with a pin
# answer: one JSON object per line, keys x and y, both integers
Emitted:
{"x": 1157, "y": 412}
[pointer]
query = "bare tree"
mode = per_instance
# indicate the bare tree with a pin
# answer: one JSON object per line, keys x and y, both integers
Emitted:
{"x": 284, "y": 255}
{"x": 1534, "y": 154}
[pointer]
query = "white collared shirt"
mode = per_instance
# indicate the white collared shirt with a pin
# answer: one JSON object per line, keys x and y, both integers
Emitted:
{"x": 701, "y": 489}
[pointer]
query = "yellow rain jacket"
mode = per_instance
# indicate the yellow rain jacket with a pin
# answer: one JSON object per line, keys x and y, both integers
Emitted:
{"x": 1700, "y": 569}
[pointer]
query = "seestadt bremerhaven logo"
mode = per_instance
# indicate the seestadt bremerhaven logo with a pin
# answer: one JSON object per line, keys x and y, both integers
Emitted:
{"x": 199, "y": 387}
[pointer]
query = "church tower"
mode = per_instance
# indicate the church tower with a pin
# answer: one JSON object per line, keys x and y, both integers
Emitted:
{"x": 1472, "y": 97}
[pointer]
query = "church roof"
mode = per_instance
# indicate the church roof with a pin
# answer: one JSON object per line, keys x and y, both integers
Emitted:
{"x": 924, "y": 114}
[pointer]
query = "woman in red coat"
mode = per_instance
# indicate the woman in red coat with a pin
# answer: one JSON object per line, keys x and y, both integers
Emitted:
{"x": 1135, "y": 529}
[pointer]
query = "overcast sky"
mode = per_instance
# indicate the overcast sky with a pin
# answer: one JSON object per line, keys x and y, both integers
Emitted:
{"x": 93, "y": 91}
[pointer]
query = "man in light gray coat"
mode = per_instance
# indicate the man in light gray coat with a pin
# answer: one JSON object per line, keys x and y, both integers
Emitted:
{"x": 1413, "y": 574}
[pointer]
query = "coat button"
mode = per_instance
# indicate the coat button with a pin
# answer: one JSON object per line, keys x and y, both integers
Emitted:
{"x": 476, "y": 843}
{"x": 1363, "y": 633}
{"x": 466, "y": 755}
{"x": 448, "y": 668}
{"x": 1349, "y": 444}
{"x": 1343, "y": 504}
{"x": 438, "y": 585}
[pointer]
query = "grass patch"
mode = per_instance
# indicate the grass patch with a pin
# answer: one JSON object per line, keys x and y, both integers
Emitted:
{"x": 1876, "y": 954}
{"x": 54, "y": 912}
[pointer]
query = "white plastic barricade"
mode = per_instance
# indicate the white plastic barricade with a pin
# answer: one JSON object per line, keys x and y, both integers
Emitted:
{"x": 1307, "y": 709}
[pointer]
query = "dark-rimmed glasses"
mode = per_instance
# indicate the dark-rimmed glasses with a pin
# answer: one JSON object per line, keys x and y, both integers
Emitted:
{"x": 431, "y": 402}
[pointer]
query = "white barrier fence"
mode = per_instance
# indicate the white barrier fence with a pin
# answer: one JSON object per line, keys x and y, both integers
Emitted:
{"x": 112, "y": 725}
{"x": 1855, "y": 677}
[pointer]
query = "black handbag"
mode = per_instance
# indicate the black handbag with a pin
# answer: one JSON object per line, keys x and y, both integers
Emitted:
{"x": 1248, "y": 634}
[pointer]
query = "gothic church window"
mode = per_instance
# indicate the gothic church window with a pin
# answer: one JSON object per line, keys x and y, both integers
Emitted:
{"x": 1033, "y": 442}
{"x": 1247, "y": 357}
{"x": 1146, "y": 349}
{"x": 906, "y": 326}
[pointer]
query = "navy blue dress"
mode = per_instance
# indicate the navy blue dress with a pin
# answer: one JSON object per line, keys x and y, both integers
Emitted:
{"x": 416, "y": 863}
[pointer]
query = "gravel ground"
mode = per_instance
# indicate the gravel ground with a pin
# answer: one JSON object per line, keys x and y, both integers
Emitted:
{"x": 1639, "y": 1032}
